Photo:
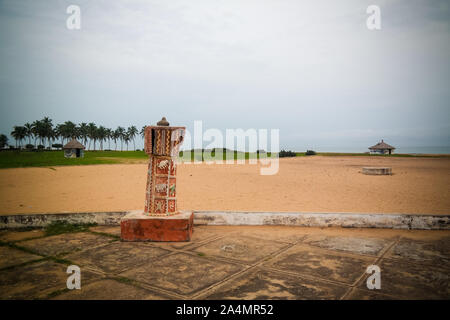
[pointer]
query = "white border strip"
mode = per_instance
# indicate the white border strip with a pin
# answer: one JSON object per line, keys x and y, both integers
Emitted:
{"x": 226, "y": 218}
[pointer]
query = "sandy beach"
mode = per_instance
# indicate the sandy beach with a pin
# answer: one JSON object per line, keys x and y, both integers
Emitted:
{"x": 303, "y": 184}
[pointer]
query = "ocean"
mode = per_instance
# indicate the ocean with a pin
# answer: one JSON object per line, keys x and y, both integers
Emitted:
{"x": 399, "y": 149}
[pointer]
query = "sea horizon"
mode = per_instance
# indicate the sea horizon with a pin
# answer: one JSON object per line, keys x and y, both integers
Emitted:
{"x": 398, "y": 150}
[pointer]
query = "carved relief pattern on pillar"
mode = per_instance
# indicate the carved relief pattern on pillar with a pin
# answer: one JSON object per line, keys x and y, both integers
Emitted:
{"x": 162, "y": 144}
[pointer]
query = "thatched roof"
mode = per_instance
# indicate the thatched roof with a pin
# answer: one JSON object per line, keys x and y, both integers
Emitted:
{"x": 73, "y": 144}
{"x": 382, "y": 145}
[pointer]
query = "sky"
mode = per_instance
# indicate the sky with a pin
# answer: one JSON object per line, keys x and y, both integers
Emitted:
{"x": 311, "y": 69}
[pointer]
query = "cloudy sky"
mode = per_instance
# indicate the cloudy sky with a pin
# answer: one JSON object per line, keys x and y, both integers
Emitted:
{"x": 310, "y": 68}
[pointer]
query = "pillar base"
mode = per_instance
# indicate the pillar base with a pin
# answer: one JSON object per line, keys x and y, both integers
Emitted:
{"x": 138, "y": 226}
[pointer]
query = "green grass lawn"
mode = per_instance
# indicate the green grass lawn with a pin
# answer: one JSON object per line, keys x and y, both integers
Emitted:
{"x": 14, "y": 159}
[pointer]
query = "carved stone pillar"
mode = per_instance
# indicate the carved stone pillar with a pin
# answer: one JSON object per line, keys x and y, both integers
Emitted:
{"x": 160, "y": 220}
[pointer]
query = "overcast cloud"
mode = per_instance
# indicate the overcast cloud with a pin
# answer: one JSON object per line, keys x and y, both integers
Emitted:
{"x": 310, "y": 68}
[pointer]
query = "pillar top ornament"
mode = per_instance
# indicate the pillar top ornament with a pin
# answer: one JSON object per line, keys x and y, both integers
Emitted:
{"x": 163, "y": 122}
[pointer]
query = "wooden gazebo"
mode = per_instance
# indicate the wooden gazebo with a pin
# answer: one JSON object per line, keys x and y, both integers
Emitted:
{"x": 382, "y": 148}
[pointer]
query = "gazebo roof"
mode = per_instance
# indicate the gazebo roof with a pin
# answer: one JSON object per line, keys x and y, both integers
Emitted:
{"x": 73, "y": 144}
{"x": 382, "y": 145}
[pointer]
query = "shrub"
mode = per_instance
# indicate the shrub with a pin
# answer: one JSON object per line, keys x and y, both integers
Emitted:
{"x": 41, "y": 147}
{"x": 284, "y": 154}
{"x": 29, "y": 146}
{"x": 57, "y": 145}
{"x": 310, "y": 153}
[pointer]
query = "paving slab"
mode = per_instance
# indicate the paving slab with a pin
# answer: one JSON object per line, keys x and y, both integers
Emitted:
{"x": 219, "y": 262}
{"x": 274, "y": 233}
{"x": 366, "y": 246}
{"x": 36, "y": 280}
{"x": 11, "y": 257}
{"x": 199, "y": 235}
{"x": 357, "y": 294}
{"x": 264, "y": 284}
{"x": 412, "y": 281}
{"x": 436, "y": 252}
{"x": 118, "y": 256}
{"x": 112, "y": 230}
{"x": 182, "y": 273}
{"x": 65, "y": 243}
{"x": 12, "y": 236}
{"x": 321, "y": 264}
{"x": 241, "y": 248}
{"x": 109, "y": 289}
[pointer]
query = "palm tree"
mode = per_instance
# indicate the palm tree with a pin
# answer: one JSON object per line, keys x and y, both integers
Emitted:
{"x": 47, "y": 129}
{"x": 70, "y": 130}
{"x": 92, "y": 133}
{"x": 36, "y": 129}
{"x": 115, "y": 136}
{"x": 19, "y": 133}
{"x": 126, "y": 138}
{"x": 59, "y": 132}
{"x": 132, "y": 132}
{"x": 3, "y": 141}
{"x": 53, "y": 135}
{"x": 29, "y": 131}
{"x": 83, "y": 132}
{"x": 101, "y": 135}
{"x": 120, "y": 133}
{"x": 109, "y": 135}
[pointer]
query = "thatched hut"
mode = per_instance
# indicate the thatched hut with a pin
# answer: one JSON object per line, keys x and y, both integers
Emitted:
{"x": 382, "y": 148}
{"x": 73, "y": 149}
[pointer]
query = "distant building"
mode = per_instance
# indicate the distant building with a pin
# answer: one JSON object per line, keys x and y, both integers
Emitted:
{"x": 381, "y": 148}
{"x": 73, "y": 149}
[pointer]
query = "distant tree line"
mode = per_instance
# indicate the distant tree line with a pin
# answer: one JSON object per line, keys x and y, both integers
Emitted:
{"x": 44, "y": 132}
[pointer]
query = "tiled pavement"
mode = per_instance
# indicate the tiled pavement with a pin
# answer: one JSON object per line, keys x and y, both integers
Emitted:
{"x": 266, "y": 262}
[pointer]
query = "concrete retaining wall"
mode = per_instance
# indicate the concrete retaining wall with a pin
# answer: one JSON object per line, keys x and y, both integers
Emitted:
{"x": 44, "y": 219}
{"x": 346, "y": 220}
{"x": 302, "y": 219}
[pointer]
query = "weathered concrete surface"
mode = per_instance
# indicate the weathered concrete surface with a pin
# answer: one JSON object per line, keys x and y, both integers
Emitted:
{"x": 365, "y": 246}
{"x": 183, "y": 273}
{"x": 303, "y": 219}
{"x": 110, "y": 289}
{"x": 244, "y": 249}
{"x": 10, "y": 257}
{"x": 44, "y": 219}
{"x": 64, "y": 243}
{"x": 319, "y": 263}
{"x": 36, "y": 281}
{"x": 435, "y": 252}
{"x": 8, "y": 236}
{"x": 111, "y": 230}
{"x": 347, "y": 220}
{"x": 377, "y": 170}
{"x": 118, "y": 256}
{"x": 231, "y": 262}
{"x": 263, "y": 284}
{"x": 413, "y": 281}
